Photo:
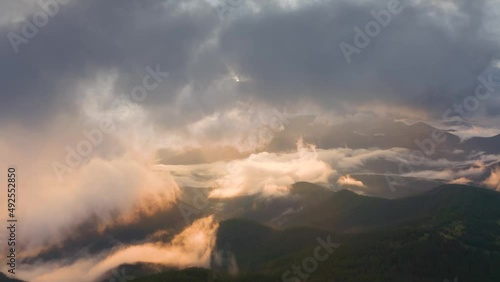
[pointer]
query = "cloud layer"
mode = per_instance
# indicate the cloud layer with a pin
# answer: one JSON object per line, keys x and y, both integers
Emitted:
{"x": 232, "y": 93}
{"x": 192, "y": 247}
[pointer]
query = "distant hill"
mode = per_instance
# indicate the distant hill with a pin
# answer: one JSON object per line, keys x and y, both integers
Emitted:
{"x": 377, "y": 185}
{"x": 383, "y": 134}
{"x": 451, "y": 231}
{"x": 489, "y": 145}
{"x": 4, "y": 278}
{"x": 271, "y": 210}
{"x": 346, "y": 212}
{"x": 125, "y": 272}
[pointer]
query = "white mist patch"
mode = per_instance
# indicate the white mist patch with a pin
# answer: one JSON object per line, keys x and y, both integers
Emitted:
{"x": 271, "y": 174}
{"x": 475, "y": 169}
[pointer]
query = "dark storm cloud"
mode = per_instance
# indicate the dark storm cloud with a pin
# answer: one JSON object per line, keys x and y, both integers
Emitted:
{"x": 418, "y": 59}
{"x": 287, "y": 54}
{"x": 87, "y": 36}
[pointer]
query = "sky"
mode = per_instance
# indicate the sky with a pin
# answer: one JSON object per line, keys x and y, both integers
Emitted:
{"x": 109, "y": 108}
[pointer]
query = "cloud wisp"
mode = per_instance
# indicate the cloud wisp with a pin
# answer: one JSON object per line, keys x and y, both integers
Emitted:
{"x": 192, "y": 247}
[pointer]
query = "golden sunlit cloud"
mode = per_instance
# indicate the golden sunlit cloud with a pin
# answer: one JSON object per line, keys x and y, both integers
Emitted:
{"x": 192, "y": 247}
{"x": 271, "y": 174}
{"x": 493, "y": 181}
{"x": 461, "y": 180}
{"x": 348, "y": 180}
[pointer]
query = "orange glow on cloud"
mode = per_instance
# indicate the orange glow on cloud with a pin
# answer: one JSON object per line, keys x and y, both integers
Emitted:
{"x": 493, "y": 181}
{"x": 271, "y": 174}
{"x": 192, "y": 247}
{"x": 348, "y": 180}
